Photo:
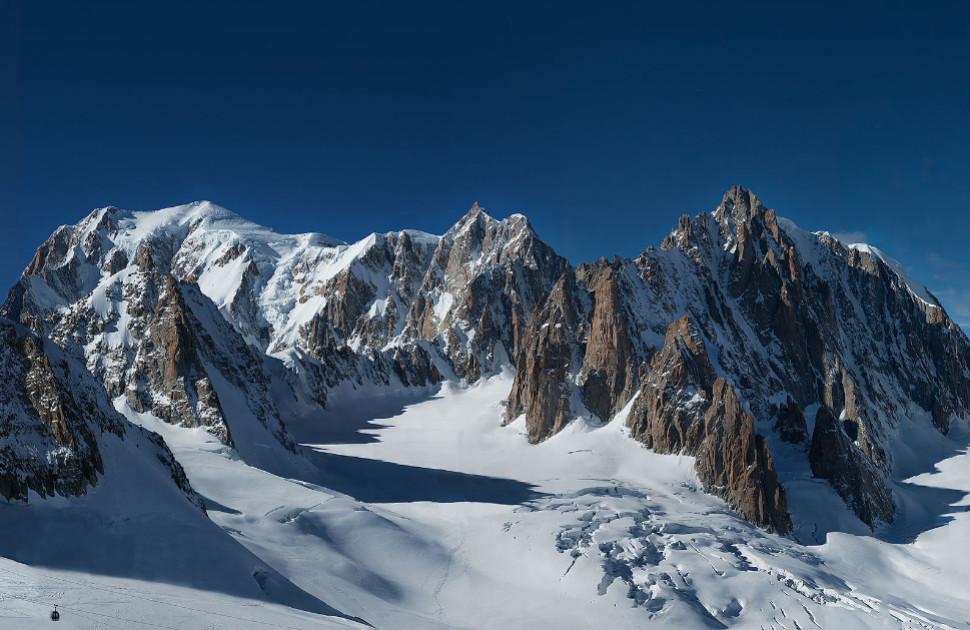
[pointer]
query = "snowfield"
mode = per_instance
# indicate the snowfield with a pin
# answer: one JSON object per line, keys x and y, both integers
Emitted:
{"x": 433, "y": 515}
{"x": 88, "y": 602}
{"x": 618, "y": 535}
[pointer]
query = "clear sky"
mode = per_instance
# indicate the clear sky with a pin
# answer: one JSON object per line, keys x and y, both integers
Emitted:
{"x": 602, "y": 121}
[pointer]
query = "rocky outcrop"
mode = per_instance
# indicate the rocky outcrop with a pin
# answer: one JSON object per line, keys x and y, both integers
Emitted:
{"x": 609, "y": 372}
{"x": 55, "y": 419}
{"x": 682, "y": 407}
{"x": 733, "y": 462}
{"x": 835, "y": 456}
{"x": 790, "y": 423}
{"x": 668, "y": 415}
{"x": 539, "y": 391}
{"x": 167, "y": 377}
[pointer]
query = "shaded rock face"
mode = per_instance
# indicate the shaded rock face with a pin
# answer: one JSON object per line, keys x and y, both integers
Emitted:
{"x": 683, "y": 407}
{"x": 53, "y": 420}
{"x": 835, "y": 456}
{"x": 41, "y": 416}
{"x": 540, "y": 389}
{"x": 790, "y": 423}
{"x": 791, "y": 320}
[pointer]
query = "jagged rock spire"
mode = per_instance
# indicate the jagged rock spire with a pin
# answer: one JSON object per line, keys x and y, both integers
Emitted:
{"x": 741, "y": 203}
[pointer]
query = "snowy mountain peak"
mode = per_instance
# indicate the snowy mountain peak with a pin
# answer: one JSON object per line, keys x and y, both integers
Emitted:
{"x": 476, "y": 223}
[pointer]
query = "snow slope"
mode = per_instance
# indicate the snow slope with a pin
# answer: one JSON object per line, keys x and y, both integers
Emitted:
{"x": 436, "y": 516}
{"x": 622, "y": 535}
{"x": 28, "y": 594}
{"x": 132, "y": 547}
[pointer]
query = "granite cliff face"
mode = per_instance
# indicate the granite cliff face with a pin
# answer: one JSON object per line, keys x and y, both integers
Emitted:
{"x": 547, "y": 353}
{"x": 739, "y": 337}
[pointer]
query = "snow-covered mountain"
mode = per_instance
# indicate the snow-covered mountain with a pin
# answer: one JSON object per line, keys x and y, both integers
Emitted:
{"x": 804, "y": 380}
{"x": 824, "y": 346}
{"x": 137, "y": 293}
{"x": 106, "y": 292}
{"x": 194, "y": 314}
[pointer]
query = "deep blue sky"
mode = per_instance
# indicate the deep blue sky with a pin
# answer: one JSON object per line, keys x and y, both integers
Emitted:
{"x": 600, "y": 123}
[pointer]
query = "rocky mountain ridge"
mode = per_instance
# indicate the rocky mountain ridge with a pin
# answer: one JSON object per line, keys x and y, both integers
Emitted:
{"x": 739, "y": 334}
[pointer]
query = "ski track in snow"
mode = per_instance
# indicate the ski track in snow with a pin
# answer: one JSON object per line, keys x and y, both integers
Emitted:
{"x": 611, "y": 535}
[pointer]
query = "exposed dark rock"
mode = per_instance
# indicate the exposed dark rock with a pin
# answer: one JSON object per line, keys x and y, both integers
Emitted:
{"x": 54, "y": 418}
{"x": 790, "y": 423}
{"x": 609, "y": 368}
{"x": 168, "y": 377}
{"x": 538, "y": 391}
{"x": 733, "y": 462}
{"x": 835, "y": 457}
{"x": 684, "y": 407}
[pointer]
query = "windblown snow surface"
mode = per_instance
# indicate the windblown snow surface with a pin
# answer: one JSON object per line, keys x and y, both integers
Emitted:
{"x": 432, "y": 515}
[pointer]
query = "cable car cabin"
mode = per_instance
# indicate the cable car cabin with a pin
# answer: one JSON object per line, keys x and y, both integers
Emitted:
{"x": 55, "y": 616}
